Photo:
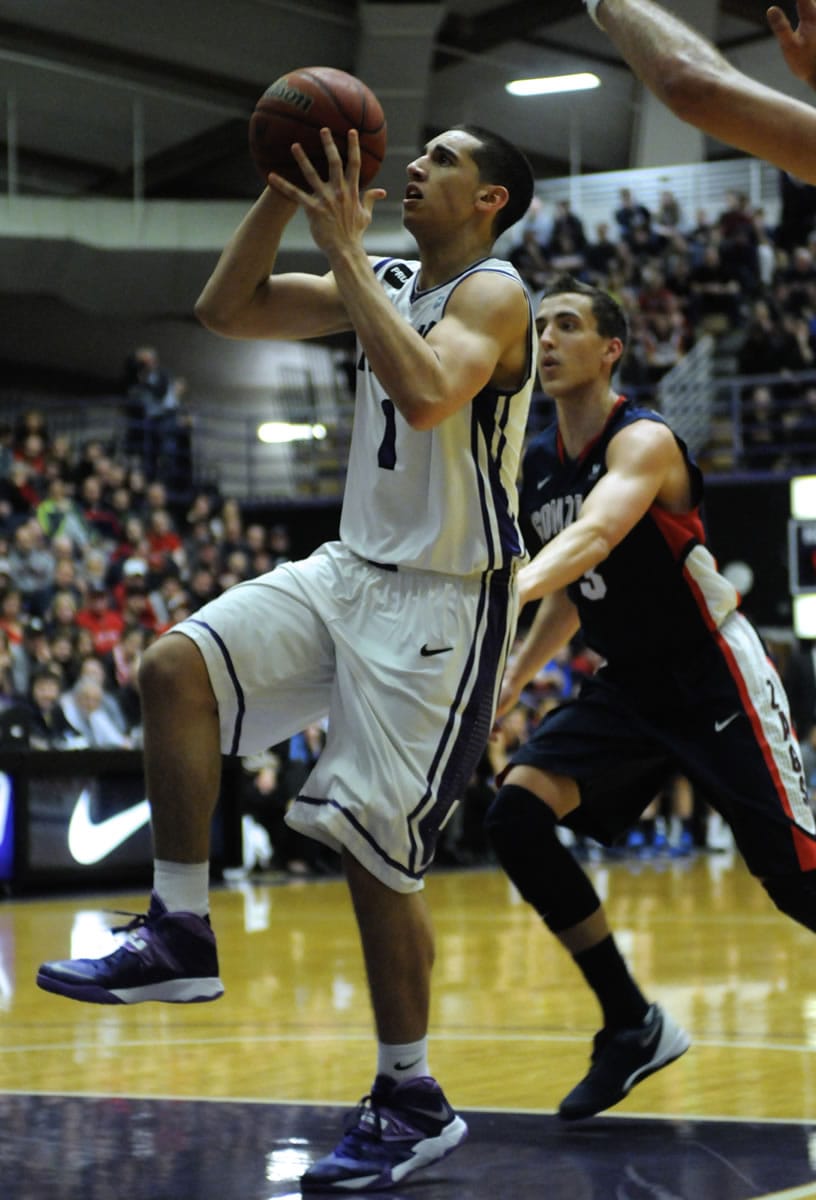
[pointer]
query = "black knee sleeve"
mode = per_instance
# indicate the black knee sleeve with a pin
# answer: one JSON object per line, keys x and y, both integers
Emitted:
{"x": 794, "y": 895}
{"x": 521, "y": 829}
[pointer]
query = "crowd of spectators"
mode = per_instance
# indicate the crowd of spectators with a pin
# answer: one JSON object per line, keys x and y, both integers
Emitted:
{"x": 95, "y": 562}
{"x": 98, "y": 556}
{"x": 678, "y": 275}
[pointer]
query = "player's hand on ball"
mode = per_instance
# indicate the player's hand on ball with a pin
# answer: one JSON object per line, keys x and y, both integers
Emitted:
{"x": 334, "y": 208}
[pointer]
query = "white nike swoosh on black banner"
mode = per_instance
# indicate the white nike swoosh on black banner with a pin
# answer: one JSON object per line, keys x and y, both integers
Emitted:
{"x": 90, "y": 841}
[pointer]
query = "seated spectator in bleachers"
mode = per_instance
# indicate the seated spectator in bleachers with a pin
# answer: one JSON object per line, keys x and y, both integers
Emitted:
{"x": 133, "y": 544}
{"x": 66, "y": 579}
{"x": 761, "y": 349}
{"x": 18, "y": 498}
{"x": 36, "y": 645}
{"x": 654, "y": 296}
{"x": 136, "y": 607}
{"x": 566, "y": 256}
{"x": 601, "y": 253}
{"x": 12, "y": 614}
{"x": 168, "y": 588}
{"x": 529, "y": 258}
{"x": 50, "y": 729}
{"x": 94, "y": 567}
{"x": 65, "y": 654}
{"x": 164, "y": 546}
{"x": 667, "y": 218}
{"x": 799, "y": 280}
{"x": 86, "y": 711}
{"x": 234, "y": 570}
{"x": 738, "y": 241}
{"x": 99, "y": 516}
{"x": 701, "y": 235}
{"x": 678, "y": 276}
{"x": 31, "y": 563}
{"x": 124, "y": 666}
{"x": 663, "y": 344}
{"x": 103, "y": 621}
{"x": 763, "y": 434}
{"x": 59, "y": 514}
{"x": 565, "y": 221}
{"x": 60, "y": 616}
{"x": 714, "y": 294}
{"x": 796, "y": 348}
{"x": 631, "y": 215}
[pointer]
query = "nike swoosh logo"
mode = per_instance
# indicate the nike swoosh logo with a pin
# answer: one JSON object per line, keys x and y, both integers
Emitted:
{"x": 90, "y": 841}
{"x": 426, "y": 652}
{"x": 543, "y": 482}
{"x": 406, "y": 1066}
{"x": 719, "y": 726}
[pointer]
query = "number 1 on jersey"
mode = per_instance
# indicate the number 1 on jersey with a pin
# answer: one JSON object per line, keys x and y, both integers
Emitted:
{"x": 387, "y": 453}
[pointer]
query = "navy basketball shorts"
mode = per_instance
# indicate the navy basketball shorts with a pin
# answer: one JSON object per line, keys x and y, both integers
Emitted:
{"x": 722, "y": 720}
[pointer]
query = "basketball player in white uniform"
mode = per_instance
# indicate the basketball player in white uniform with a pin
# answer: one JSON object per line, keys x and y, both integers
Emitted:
{"x": 398, "y": 631}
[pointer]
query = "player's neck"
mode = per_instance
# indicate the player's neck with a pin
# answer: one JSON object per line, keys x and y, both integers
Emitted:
{"x": 582, "y": 417}
{"x": 444, "y": 259}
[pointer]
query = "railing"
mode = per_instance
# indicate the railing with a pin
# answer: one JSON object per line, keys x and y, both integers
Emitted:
{"x": 715, "y": 416}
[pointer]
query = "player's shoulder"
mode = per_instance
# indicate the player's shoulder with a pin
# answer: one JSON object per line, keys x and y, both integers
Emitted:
{"x": 395, "y": 273}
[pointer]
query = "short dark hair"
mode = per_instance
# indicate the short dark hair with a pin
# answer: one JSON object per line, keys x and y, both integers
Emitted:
{"x": 499, "y": 161}
{"x": 609, "y": 316}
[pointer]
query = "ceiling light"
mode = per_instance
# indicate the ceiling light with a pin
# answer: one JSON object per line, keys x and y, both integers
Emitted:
{"x": 549, "y": 84}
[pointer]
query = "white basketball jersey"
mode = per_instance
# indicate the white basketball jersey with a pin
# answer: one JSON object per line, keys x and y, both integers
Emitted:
{"x": 443, "y": 499}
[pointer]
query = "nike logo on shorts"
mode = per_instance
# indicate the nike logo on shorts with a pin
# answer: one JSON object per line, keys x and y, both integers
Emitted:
{"x": 719, "y": 726}
{"x": 426, "y": 651}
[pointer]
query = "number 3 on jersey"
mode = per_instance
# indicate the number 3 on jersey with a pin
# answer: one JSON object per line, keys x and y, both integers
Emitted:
{"x": 387, "y": 453}
{"x": 592, "y": 586}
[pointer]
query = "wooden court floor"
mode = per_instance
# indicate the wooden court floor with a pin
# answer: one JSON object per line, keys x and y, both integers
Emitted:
{"x": 136, "y": 1101}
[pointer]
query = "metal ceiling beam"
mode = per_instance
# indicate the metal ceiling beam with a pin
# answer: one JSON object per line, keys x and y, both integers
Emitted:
{"x": 111, "y": 66}
{"x": 482, "y": 32}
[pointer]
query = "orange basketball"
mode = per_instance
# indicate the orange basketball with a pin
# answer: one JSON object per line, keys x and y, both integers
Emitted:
{"x": 298, "y": 105}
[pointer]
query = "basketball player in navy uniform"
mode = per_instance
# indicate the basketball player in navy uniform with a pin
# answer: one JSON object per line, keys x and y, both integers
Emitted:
{"x": 685, "y": 687}
{"x": 398, "y": 631}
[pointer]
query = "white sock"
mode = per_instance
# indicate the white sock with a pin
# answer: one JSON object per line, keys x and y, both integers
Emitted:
{"x": 407, "y": 1061}
{"x": 182, "y": 887}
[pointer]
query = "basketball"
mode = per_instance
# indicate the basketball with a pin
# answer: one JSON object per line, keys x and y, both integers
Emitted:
{"x": 298, "y": 105}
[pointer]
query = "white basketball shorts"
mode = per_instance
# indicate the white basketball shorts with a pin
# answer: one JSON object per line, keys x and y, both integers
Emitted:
{"x": 406, "y": 664}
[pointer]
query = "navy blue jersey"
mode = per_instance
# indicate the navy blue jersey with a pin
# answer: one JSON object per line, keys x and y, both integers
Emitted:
{"x": 658, "y": 596}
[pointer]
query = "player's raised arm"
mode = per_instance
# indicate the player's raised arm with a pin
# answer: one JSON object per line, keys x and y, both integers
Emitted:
{"x": 244, "y": 299}
{"x": 690, "y": 76}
